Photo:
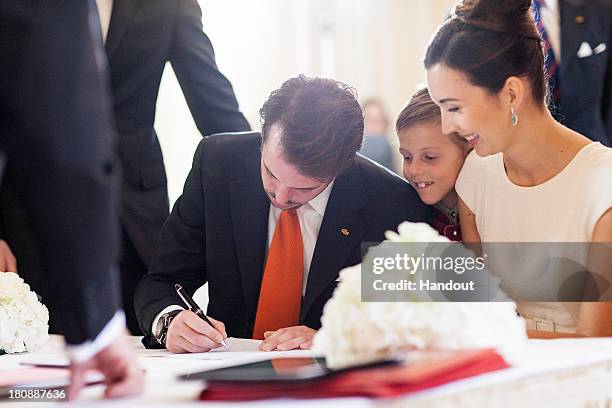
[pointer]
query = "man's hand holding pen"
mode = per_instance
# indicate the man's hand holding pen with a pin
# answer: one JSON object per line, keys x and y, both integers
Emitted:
{"x": 188, "y": 333}
{"x": 191, "y": 331}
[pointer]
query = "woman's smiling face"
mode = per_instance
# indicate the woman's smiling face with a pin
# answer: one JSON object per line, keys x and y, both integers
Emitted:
{"x": 470, "y": 111}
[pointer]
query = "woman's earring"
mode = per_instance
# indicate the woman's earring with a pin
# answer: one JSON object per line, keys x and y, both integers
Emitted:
{"x": 514, "y": 117}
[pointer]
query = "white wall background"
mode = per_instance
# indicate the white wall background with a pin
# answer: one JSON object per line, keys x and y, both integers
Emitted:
{"x": 376, "y": 46}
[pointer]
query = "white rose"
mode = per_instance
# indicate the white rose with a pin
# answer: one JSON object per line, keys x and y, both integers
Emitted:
{"x": 415, "y": 232}
{"x": 9, "y": 327}
{"x": 23, "y": 319}
{"x": 355, "y": 332}
{"x": 12, "y": 287}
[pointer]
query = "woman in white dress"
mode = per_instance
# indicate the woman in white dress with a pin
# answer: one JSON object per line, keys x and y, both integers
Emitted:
{"x": 530, "y": 179}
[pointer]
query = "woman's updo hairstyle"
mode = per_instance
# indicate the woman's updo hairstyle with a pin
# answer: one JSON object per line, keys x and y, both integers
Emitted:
{"x": 490, "y": 41}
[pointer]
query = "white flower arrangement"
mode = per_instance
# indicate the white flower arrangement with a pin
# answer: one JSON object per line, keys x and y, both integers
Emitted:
{"x": 355, "y": 332}
{"x": 23, "y": 319}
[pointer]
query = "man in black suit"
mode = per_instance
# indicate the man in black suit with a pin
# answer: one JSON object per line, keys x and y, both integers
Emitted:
{"x": 242, "y": 187}
{"x": 578, "y": 40}
{"x": 56, "y": 149}
{"x": 140, "y": 37}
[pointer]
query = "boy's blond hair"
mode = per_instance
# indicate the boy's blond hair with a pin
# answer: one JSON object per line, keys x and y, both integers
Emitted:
{"x": 421, "y": 109}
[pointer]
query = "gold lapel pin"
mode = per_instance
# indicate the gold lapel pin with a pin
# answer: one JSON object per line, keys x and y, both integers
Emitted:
{"x": 579, "y": 19}
{"x": 345, "y": 232}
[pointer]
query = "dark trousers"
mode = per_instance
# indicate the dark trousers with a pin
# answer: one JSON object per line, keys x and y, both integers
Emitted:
{"x": 132, "y": 270}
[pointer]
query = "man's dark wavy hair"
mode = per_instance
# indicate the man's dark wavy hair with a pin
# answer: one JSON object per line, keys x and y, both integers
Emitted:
{"x": 321, "y": 124}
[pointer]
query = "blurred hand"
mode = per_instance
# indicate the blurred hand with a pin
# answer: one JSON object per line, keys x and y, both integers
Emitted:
{"x": 288, "y": 338}
{"x": 188, "y": 333}
{"x": 8, "y": 263}
{"x": 117, "y": 362}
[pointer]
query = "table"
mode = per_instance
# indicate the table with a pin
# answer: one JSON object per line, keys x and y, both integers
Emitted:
{"x": 558, "y": 372}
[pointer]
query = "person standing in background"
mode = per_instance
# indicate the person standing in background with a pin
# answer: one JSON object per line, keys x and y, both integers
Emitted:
{"x": 577, "y": 36}
{"x": 56, "y": 149}
{"x": 140, "y": 37}
{"x": 376, "y": 125}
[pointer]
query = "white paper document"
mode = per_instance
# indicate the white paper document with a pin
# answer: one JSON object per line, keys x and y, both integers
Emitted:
{"x": 238, "y": 349}
{"x": 239, "y": 345}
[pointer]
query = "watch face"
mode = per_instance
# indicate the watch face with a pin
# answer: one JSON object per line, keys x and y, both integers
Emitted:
{"x": 167, "y": 319}
{"x": 163, "y": 324}
{"x": 159, "y": 328}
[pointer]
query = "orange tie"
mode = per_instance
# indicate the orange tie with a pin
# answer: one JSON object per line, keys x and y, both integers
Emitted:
{"x": 280, "y": 296}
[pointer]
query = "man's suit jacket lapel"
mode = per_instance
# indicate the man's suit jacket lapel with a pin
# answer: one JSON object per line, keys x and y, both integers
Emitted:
{"x": 250, "y": 209}
{"x": 123, "y": 11}
{"x": 572, "y": 33}
{"x": 341, "y": 230}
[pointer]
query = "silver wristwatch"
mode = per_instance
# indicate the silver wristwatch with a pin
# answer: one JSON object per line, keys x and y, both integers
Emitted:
{"x": 161, "y": 329}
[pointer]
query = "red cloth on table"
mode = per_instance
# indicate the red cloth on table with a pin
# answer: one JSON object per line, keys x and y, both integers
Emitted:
{"x": 431, "y": 369}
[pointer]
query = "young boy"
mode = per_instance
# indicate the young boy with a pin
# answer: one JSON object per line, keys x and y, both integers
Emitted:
{"x": 432, "y": 160}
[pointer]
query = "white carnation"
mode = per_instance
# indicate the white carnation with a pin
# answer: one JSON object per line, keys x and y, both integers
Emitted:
{"x": 415, "y": 232}
{"x": 23, "y": 319}
{"x": 12, "y": 287}
{"x": 355, "y": 332}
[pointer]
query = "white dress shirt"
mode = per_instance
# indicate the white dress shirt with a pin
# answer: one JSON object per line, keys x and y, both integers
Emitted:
{"x": 105, "y": 9}
{"x": 551, "y": 18}
{"x": 310, "y": 216}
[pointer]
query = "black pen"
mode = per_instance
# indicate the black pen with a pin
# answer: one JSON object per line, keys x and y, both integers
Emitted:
{"x": 193, "y": 306}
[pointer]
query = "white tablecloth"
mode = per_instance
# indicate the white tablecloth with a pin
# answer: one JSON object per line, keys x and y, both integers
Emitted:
{"x": 565, "y": 372}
